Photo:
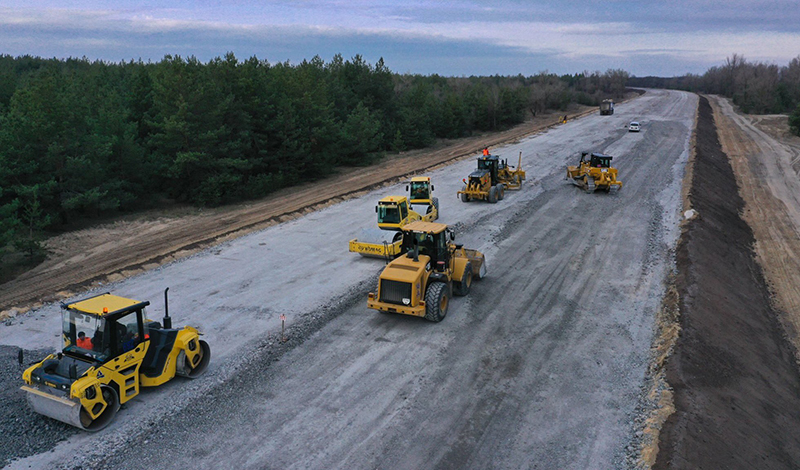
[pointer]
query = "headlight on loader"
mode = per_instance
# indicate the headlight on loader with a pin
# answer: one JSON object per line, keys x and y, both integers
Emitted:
{"x": 406, "y": 301}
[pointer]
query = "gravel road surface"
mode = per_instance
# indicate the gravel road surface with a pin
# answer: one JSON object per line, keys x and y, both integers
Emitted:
{"x": 541, "y": 366}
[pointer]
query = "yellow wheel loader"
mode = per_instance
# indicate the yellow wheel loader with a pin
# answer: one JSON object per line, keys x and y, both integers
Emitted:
{"x": 594, "y": 171}
{"x": 110, "y": 350}
{"x": 394, "y": 212}
{"x": 430, "y": 271}
{"x": 491, "y": 179}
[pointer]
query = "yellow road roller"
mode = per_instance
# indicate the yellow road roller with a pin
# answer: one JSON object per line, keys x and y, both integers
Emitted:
{"x": 110, "y": 350}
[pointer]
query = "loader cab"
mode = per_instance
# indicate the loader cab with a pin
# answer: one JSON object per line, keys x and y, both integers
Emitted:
{"x": 100, "y": 328}
{"x": 431, "y": 240}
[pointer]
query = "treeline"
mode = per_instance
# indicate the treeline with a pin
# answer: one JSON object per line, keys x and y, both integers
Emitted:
{"x": 80, "y": 139}
{"x": 756, "y": 87}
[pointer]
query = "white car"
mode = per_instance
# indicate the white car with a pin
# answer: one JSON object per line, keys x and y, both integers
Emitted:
{"x": 633, "y": 126}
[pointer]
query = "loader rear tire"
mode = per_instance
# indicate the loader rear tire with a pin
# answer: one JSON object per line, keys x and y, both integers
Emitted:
{"x": 501, "y": 192}
{"x": 462, "y": 287}
{"x": 436, "y": 301}
{"x": 435, "y": 201}
{"x": 493, "y": 194}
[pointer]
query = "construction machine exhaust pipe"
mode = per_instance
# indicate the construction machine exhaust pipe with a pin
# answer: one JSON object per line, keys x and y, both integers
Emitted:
{"x": 167, "y": 319}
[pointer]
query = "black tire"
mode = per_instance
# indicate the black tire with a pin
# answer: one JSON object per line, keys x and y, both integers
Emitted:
{"x": 436, "y": 301}
{"x": 435, "y": 201}
{"x": 464, "y": 196}
{"x": 107, "y": 416}
{"x": 462, "y": 287}
{"x": 501, "y": 192}
{"x": 493, "y": 194}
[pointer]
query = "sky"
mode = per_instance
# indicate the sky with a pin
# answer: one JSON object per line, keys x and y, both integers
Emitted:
{"x": 451, "y": 38}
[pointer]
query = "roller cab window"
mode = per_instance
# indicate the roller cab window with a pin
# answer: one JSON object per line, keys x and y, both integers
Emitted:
{"x": 388, "y": 214}
{"x": 85, "y": 335}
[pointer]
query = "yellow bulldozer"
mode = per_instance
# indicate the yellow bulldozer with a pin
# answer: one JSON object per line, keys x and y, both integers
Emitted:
{"x": 110, "y": 350}
{"x": 593, "y": 172}
{"x": 394, "y": 212}
{"x": 430, "y": 271}
{"x": 491, "y": 179}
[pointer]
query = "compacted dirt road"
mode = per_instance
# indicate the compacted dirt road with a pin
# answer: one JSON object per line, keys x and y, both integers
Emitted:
{"x": 541, "y": 366}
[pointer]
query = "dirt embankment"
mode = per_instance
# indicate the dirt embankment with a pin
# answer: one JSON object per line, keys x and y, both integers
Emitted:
{"x": 766, "y": 160}
{"x": 736, "y": 384}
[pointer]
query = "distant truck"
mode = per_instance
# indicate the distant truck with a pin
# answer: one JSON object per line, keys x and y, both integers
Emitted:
{"x": 607, "y": 107}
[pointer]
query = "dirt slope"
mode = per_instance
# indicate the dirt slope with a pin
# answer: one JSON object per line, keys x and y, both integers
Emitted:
{"x": 766, "y": 161}
{"x": 736, "y": 383}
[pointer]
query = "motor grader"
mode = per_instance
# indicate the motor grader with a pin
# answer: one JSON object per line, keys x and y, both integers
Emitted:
{"x": 110, "y": 350}
{"x": 430, "y": 271}
{"x": 491, "y": 179}
{"x": 394, "y": 212}
{"x": 594, "y": 171}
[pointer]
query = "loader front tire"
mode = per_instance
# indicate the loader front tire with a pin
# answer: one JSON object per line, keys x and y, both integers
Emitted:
{"x": 436, "y": 301}
{"x": 462, "y": 287}
{"x": 464, "y": 195}
{"x": 493, "y": 195}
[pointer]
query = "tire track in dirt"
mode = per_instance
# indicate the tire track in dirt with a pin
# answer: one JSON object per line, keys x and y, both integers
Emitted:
{"x": 735, "y": 380}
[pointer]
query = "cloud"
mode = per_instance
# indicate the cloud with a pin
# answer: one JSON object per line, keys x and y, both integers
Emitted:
{"x": 453, "y": 38}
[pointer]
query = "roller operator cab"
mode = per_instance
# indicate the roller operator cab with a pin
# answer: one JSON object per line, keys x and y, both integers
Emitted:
{"x": 420, "y": 191}
{"x": 109, "y": 351}
{"x": 421, "y": 281}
